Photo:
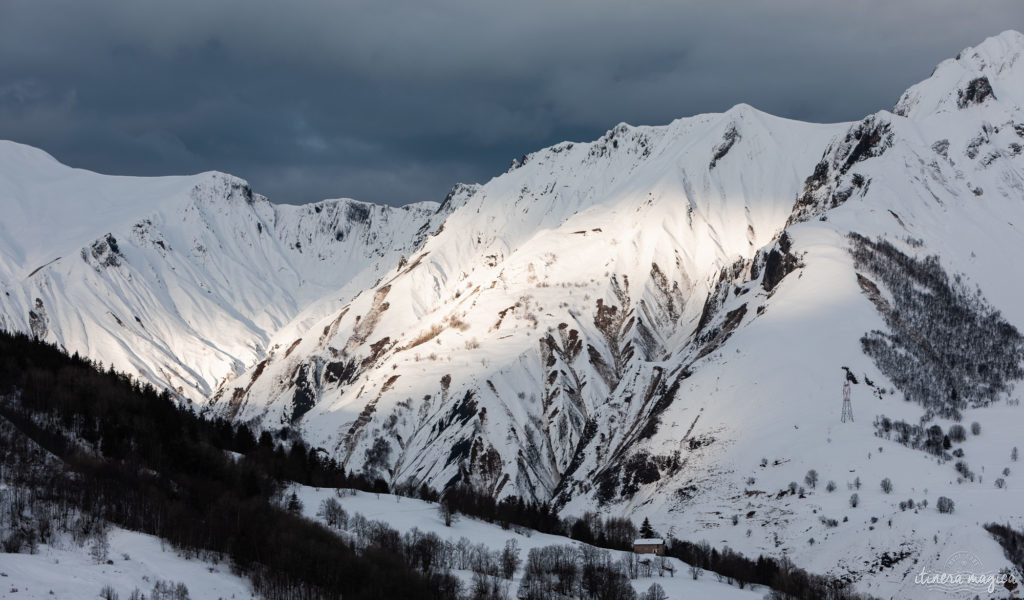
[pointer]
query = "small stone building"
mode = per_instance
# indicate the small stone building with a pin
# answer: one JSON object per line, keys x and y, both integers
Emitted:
{"x": 649, "y": 546}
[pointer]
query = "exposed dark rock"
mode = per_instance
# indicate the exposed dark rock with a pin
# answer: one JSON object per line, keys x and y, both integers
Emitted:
{"x": 462, "y": 412}
{"x": 941, "y": 148}
{"x": 867, "y": 139}
{"x": 718, "y": 294}
{"x": 639, "y": 469}
{"x": 105, "y": 251}
{"x": 357, "y": 213}
{"x": 518, "y": 162}
{"x": 778, "y": 263}
{"x": 304, "y": 396}
{"x": 38, "y": 322}
{"x": 977, "y": 92}
{"x": 342, "y": 372}
{"x": 729, "y": 140}
{"x": 872, "y": 138}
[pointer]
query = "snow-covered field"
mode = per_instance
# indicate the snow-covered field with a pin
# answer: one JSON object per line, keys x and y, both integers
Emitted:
{"x": 403, "y": 514}
{"x": 139, "y": 562}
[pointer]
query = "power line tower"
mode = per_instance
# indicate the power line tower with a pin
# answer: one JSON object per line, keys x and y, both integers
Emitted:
{"x": 847, "y": 406}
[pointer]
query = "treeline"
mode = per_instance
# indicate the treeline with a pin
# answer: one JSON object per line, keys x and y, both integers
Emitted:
{"x": 912, "y": 435}
{"x": 427, "y": 552}
{"x": 592, "y": 573}
{"x": 785, "y": 580}
{"x": 575, "y": 572}
{"x": 591, "y": 528}
{"x": 1012, "y": 542}
{"x": 555, "y": 571}
{"x": 135, "y": 459}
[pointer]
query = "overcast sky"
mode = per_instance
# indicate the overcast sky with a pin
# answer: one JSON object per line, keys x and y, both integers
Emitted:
{"x": 393, "y": 101}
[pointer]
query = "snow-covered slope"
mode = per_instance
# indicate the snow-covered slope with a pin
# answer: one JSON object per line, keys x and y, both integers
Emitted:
{"x": 179, "y": 280}
{"x": 138, "y": 562}
{"x": 635, "y": 323}
{"x": 549, "y": 293}
{"x": 407, "y": 514}
{"x": 657, "y": 323}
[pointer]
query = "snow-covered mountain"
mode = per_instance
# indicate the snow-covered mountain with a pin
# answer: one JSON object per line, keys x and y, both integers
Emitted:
{"x": 659, "y": 323}
{"x": 179, "y": 280}
{"x": 550, "y": 294}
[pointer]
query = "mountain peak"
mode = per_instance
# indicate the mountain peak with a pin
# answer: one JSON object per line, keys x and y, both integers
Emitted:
{"x": 996, "y": 51}
{"x": 991, "y": 71}
{"x": 17, "y": 153}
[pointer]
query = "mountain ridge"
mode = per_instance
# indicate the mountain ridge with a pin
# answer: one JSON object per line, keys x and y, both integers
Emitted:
{"x": 631, "y": 325}
{"x": 188, "y": 286}
{"x": 659, "y": 322}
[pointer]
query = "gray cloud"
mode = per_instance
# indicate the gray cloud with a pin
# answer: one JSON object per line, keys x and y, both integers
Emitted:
{"x": 395, "y": 101}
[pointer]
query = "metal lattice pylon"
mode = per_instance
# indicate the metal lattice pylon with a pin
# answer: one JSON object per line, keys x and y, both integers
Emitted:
{"x": 847, "y": 405}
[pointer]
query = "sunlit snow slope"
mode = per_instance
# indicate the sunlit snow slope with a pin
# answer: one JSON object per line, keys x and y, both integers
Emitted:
{"x": 638, "y": 323}
{"x": 179, "y": 280}
{"x": 549, "y": 312}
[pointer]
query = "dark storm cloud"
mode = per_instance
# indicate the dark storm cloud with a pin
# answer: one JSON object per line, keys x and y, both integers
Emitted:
{"x": 394, "y": 101}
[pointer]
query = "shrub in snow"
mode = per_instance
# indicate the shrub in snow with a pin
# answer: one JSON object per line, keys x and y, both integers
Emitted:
{"x": 957, "y": 433}
{"x": 655, "y": 592}
{"x": 447, "y": 512}
{"x": 945, "y": 505}
{"x": 169, "y": 590}
{"x": 100, "y": 549}
{"x": 510, "y": 558}
{"x": 333, "y": 513}
{"x": 964, "y": 470}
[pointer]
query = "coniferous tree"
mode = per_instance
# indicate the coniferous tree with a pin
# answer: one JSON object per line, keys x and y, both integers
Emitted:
{"x": 646, "y": 531}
